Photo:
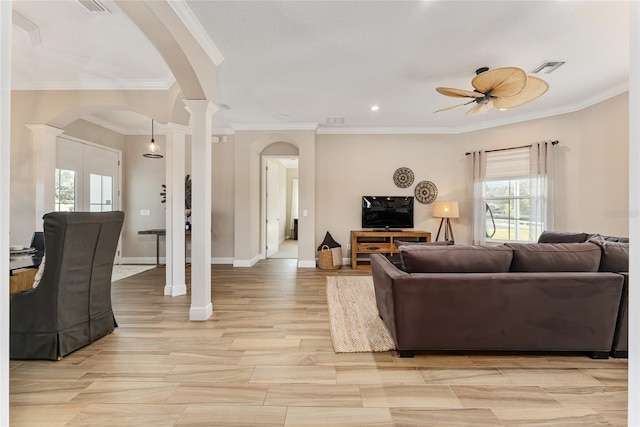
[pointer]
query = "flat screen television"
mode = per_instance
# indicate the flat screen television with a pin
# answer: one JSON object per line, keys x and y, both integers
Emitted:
{"x": 387, "y": 212}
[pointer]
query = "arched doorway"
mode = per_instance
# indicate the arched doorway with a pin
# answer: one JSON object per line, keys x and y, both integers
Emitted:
{"x": 279, "y": 201}
{"x": 280, "y": 206}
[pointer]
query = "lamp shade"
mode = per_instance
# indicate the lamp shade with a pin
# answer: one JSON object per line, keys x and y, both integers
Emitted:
{"x": 446, "y": 210}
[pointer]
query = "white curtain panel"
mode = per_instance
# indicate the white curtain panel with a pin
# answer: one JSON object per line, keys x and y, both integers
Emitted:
{"x": 541, "y": 180}
{"x": 479, "y": 171}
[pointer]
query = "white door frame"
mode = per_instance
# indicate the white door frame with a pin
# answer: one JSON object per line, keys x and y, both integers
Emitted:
{"x": 117, "y": 200}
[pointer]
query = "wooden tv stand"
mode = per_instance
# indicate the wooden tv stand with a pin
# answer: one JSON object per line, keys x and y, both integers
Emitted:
{"x": 364, "y": 243}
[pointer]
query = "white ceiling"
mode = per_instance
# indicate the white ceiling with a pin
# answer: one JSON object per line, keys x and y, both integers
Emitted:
{"x": 293, "y": 63}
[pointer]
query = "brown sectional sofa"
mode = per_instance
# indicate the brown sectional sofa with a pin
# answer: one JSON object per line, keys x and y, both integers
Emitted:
{"x": 615, "y": 258}
{"x": 514, "y": 297}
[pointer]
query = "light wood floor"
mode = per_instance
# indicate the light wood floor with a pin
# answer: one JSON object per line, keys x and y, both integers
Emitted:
{"x": 265, "y": 359}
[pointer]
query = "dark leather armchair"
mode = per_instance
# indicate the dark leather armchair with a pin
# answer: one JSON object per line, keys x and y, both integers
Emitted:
{"x": 71, "y": 307}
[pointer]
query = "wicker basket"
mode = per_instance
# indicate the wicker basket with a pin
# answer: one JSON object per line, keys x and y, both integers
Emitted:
{"x": 325, "y": 259}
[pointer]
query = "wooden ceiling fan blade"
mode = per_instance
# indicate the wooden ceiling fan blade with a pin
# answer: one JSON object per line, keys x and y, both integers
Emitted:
{"x": 505, "y": 81}
{"x": 454, "y": 106}
{"x": 535, "y": 88}
{"x": 480, "y": 108}
{"x": 458, "y": 93}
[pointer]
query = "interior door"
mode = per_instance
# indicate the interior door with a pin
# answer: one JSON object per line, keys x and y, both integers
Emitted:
{"x": 100, "y": 180}
{"x": 272, "y": 207}
{"x": 87, "y": 178}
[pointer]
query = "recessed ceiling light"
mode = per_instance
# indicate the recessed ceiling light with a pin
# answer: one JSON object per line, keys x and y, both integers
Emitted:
{"x": 375, "y": 108}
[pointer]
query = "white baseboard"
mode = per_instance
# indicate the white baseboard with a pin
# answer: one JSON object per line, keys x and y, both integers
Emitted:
{"x": 175, "y": 290}
{"x": 306, "y": 263}
{"x": 140, "y": 260}
{"x": 222, "y": 260}
{"x": 201, "y": 313}
{"x": 152, "y": 261}
{"x": 246, "y": 263}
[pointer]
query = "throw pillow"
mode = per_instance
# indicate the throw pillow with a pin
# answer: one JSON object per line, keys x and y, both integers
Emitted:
{"x": 562, "y": 237}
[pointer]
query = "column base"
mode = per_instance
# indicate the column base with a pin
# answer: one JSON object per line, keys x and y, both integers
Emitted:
{"x": 201, "y": 313}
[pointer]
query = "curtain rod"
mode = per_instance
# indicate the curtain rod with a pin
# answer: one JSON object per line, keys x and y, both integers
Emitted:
{"x": 512, "y": 148}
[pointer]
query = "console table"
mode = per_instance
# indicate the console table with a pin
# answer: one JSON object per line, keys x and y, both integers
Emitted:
{"x": 365, "y": 243}
{"x": 159, "y": 232}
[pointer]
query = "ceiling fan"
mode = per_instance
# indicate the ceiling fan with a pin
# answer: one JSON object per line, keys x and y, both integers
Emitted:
{"x": 501, "y": 88}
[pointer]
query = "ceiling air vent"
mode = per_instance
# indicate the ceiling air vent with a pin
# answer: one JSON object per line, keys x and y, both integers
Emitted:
{"x": 547, "y": 67}
{"x": 224, "y": 107}
{"x": 93, "y": 6}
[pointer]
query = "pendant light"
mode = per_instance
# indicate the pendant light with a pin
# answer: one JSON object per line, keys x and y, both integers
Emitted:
{"x": 152, "y": 149}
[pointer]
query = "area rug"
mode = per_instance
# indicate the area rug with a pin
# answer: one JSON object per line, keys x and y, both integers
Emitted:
{"x": 121, "y": 271}
{"x": 353, "y": 316}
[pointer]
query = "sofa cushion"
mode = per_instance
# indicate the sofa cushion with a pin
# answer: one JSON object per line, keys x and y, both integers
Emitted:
{"x": 549, "y": 257}
{"x": 562, "y": 237}
{"x": 608, "y": 238}
{"x": 455, "y": 259}
{"x": 615, "y": 256}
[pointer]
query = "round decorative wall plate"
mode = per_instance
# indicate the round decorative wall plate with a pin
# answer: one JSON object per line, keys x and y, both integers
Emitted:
{"x": 403, "y": 177}
{"x": 426, "y": 192}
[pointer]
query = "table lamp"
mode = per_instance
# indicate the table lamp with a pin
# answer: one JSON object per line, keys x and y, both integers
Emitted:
{"x": 446, "y": 211}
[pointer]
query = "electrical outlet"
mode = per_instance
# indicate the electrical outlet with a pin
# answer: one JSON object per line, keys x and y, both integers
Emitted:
{"x": 145, "y": 212}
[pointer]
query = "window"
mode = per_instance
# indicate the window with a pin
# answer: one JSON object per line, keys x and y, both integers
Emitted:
{"x": 513, "y": 195}
{"x": 65, "y": 198}
{"x": 101, "y": 194}
{"x": 507, "y": 194}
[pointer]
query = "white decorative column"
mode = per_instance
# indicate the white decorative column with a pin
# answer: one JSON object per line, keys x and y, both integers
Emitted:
{"x": 175, "y": 283}
{"x": 201, "y": 112}
{"x": 633, "y": 396}
{"x": 5, "y": 164}
{"x": 44, "y": 165}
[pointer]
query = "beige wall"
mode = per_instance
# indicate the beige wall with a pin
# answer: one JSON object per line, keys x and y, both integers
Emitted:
{"x": 97, "y": 134}
{"x": 591, "y": 171}
{"x": 336, "y": 170}
{"x": 249, "y": 145}
{"x": 144, "y": 183}
{"x": 62, "y": 109}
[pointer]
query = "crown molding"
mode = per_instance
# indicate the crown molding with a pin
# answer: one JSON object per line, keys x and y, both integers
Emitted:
{"x": 571, "y": 108}
{"x": 111, "y": 84}
{"x": 28, "y": 26}
{"x": 191, "y": 22}
{"x": 105, "y": 124}
{"x": 274, "y": 126}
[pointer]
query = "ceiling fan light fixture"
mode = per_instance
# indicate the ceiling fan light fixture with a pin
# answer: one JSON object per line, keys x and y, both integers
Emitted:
{"x": 547, "y": 67}
{"x": 499, "y": 88}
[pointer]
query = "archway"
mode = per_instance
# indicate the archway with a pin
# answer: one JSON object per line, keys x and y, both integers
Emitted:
{"x": 279, "y": 204}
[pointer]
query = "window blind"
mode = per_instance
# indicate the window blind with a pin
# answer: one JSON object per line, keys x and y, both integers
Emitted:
{"x": 508, "y": 164}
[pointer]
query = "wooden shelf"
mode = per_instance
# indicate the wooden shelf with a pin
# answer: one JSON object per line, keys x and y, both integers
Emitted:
{"x": 364, "y": 243}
